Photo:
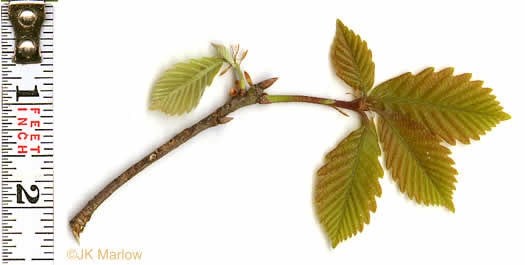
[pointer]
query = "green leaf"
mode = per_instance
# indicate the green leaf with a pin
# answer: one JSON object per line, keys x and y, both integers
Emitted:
{"x": 348, "y": 183}
{"x": 180, "y": 88}
{"x": 420, "y": 164}
{"x": 352, "y": 59}
{"x": 224, "y": 53}
{"x": 452, "y": 107}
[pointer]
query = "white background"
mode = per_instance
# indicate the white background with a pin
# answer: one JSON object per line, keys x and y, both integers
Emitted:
{"x": 242, "y": 193}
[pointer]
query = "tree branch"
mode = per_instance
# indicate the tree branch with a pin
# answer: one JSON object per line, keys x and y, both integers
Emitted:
{"x": 254, "y": 95}
{"x": 355, "y": 105}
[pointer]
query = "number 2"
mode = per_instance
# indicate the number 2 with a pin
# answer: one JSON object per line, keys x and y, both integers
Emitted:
{"x": 20, "y": 189}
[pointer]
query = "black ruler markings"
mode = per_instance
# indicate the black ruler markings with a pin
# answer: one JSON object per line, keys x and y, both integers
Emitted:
{"x": 25, "y": 165}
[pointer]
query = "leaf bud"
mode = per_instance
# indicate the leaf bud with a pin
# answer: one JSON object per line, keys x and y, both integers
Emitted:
{"x": 267, "y": 83}
{"x": 248, "y": 78}
{"x": 233, "y": 92}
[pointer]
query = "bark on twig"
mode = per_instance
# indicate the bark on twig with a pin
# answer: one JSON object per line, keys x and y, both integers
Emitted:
{"x": 253, "y": 96}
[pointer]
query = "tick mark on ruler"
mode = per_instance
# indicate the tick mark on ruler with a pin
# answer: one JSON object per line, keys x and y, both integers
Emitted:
{"x": 16, "y": 199}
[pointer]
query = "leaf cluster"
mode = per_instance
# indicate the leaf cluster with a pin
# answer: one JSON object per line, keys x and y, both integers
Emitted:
{"x": 415, "y": 114}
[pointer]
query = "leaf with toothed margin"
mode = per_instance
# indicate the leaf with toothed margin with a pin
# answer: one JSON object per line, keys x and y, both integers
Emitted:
{"x": 224, "y": 53}
{"x": 451, "y": 107}
{"x": 348, "y": 183}
{"x": 352, "y": 59}
{"x": 420, "y": 165}
{"x": 180, "y": 88}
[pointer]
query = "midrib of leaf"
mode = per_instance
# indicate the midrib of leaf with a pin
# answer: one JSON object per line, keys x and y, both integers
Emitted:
{"x": 354, "y": 61}
{"x": 200, "y": 75}
{"x": 390, "y": 99}
{"x": 412, "y": 154}
{"x": 354, "y": 169}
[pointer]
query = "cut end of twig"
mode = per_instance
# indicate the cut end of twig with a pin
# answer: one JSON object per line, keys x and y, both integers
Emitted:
{"x": 267, "y": 83}
{"x": 77, "y": 225}
{"x": 77, "y": 237}
{"x": 76, "y": 229}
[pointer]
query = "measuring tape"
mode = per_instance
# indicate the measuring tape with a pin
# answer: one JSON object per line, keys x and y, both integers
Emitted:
{"x": 27, "y": 132}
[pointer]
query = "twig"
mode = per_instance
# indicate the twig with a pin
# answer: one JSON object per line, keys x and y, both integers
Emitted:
{"x": 254, "y": 95}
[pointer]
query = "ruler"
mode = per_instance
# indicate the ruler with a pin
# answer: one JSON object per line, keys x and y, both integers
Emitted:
{"x": 27, "y": 148}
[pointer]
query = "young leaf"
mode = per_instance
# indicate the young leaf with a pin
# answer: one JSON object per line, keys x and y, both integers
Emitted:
{"x": 348, "y": 183}
{"x": 180, "y": 88}
{"x": 352, "y": 59}
{"x": 420, "y": 164}
{"x": 452, "y": 107}
{"x": 224, "y": 53}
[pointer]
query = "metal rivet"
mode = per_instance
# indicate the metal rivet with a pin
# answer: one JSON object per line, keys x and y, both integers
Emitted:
{"x": 26, "y": 48}
{"x": 27, "y": 18}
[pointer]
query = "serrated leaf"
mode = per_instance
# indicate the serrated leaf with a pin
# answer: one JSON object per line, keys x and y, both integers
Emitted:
{"x": 224, "y": 53}
{"x": 348, "y": 183}
{"x": 452, "y": 107}
{"x": 180, "y": 88}
{"x": 420, "y": 164}
{"x": 352, "y": 59}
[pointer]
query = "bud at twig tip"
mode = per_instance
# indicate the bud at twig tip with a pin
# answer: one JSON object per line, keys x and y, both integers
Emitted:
{"x": 267, "y": 83}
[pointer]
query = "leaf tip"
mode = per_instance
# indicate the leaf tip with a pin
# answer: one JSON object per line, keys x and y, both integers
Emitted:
{"x": 341, "y": 26}
{"x": 505, "y": 116}
{"x": 335, "y": 243}
{"x": 428, "y": 70}
{"x": 449, "y": 205}
{"x": 447, "y": 71}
